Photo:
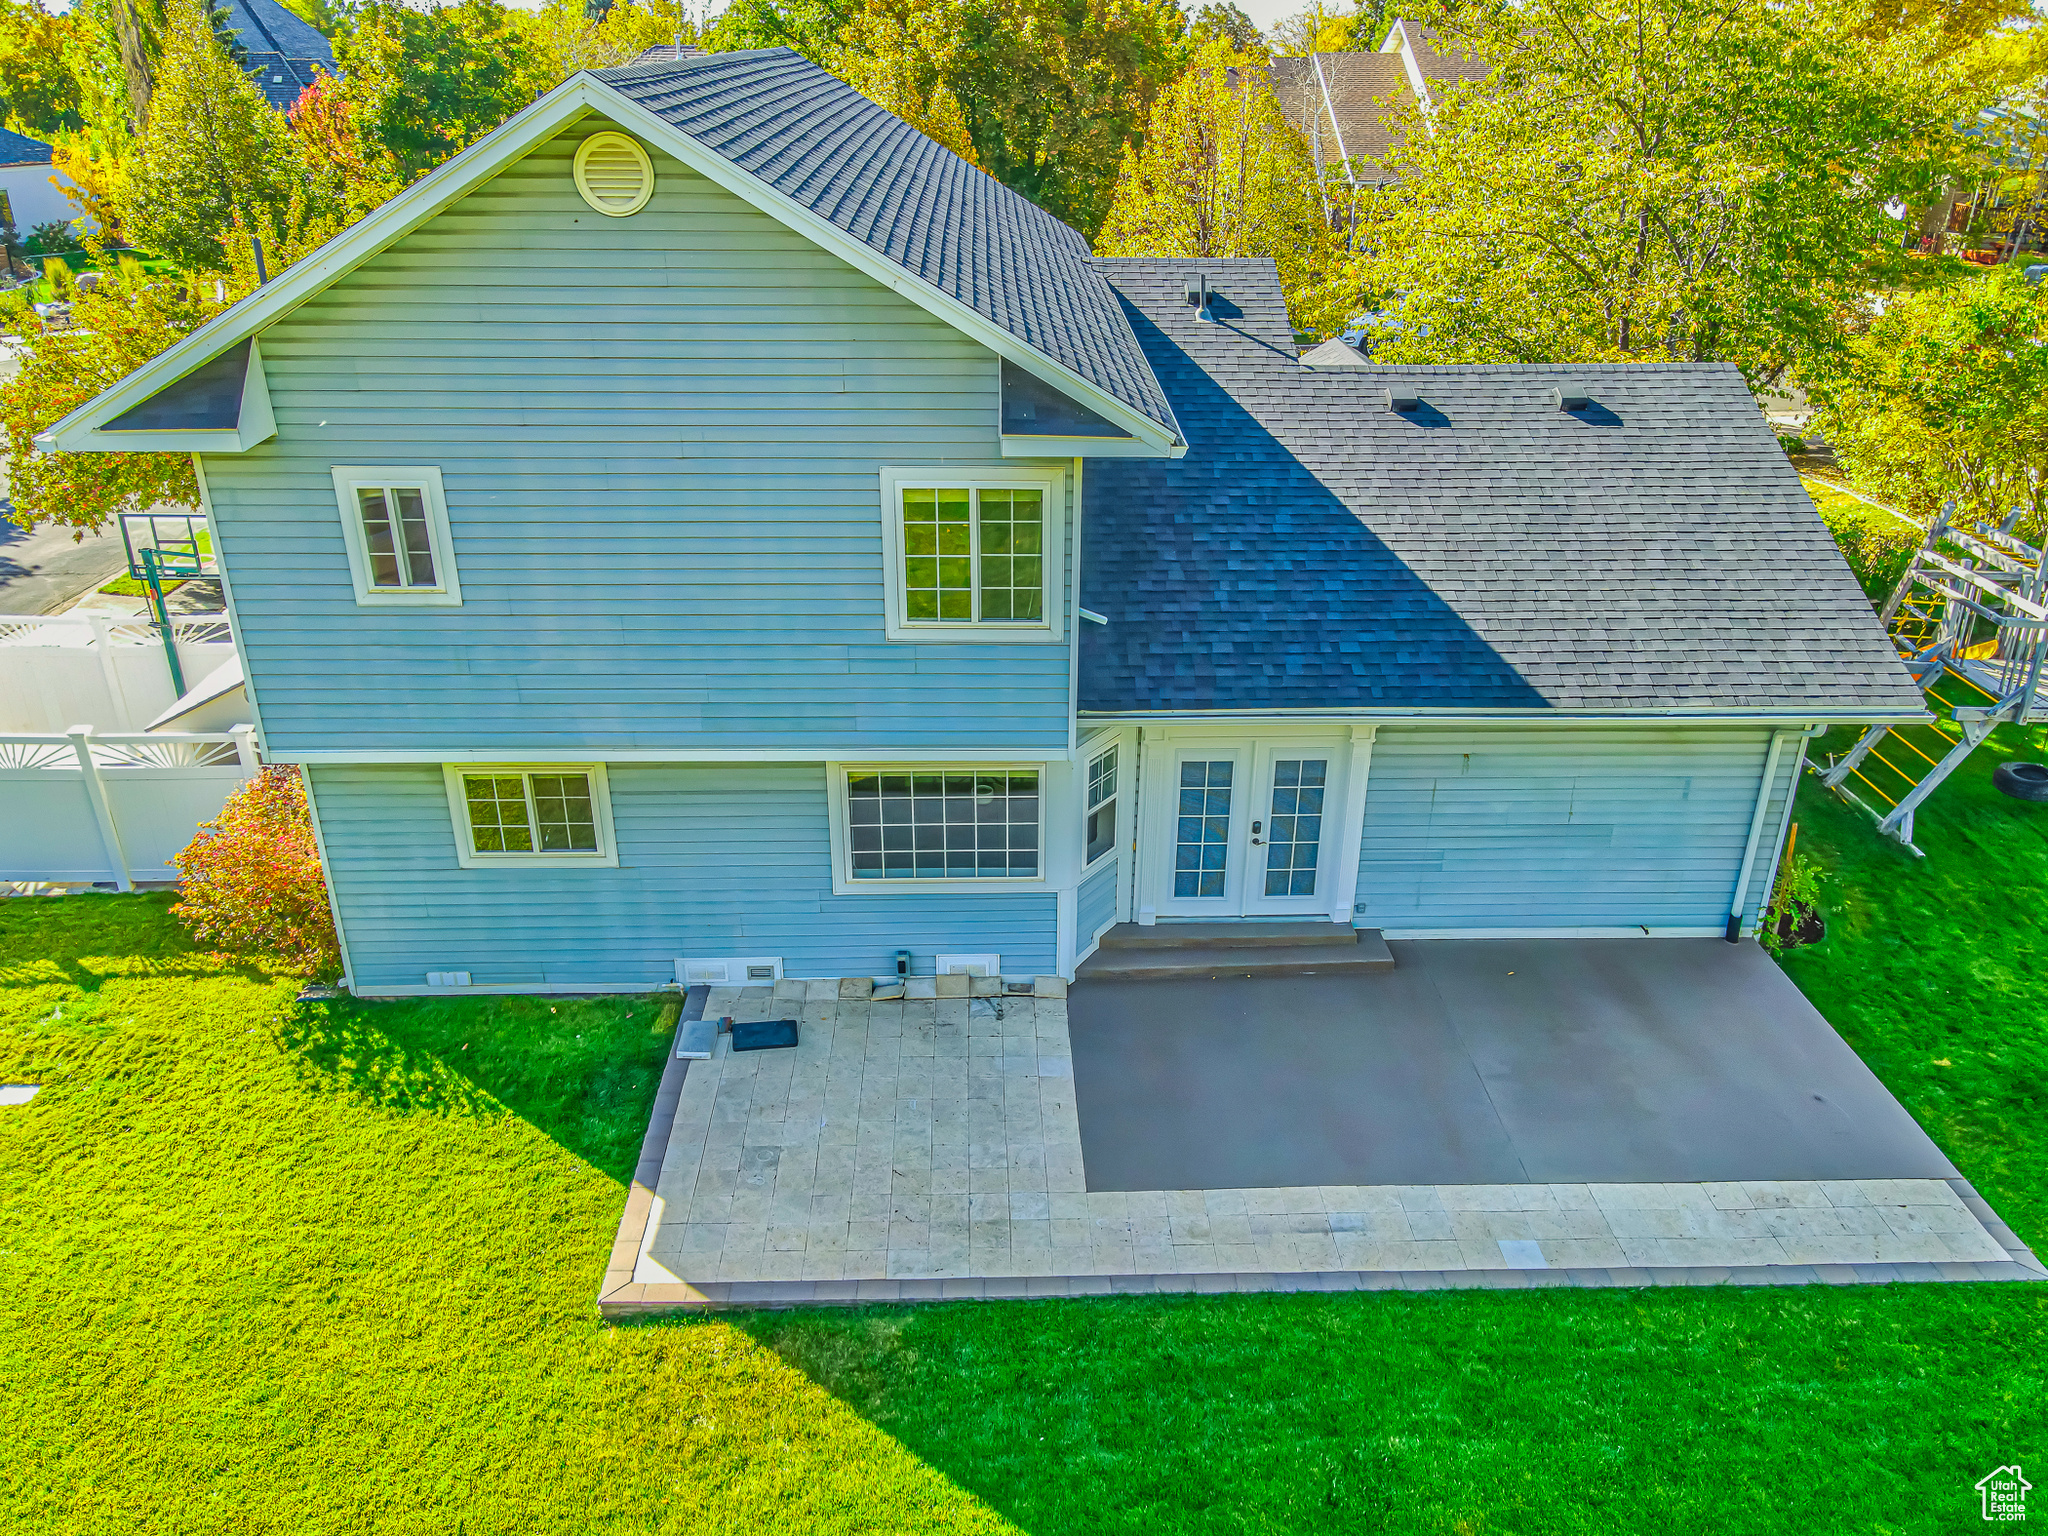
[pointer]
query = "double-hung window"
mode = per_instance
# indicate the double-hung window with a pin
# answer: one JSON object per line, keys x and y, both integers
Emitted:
{"x": 394, "y": 524}
{"x": 1101, "y": 822}
{"x": 973, "y": 556}
{"x": 940, "y": 824}
{"x": 538, "y": 815}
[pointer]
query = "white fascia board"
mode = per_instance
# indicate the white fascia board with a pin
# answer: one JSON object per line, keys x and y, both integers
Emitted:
{"x": 1505, "y": 716}
{"x": 1087, "y": 448}
{"x": 602, "y": 754}
{"x": 484, "y": 159}
{"x": 865, "y": 258}
{"x": 255, "y": 425}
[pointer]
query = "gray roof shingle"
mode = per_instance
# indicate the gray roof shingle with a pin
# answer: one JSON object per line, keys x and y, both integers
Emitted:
{"x": 1488, "y": 551}
{"x": 815, "y": 139}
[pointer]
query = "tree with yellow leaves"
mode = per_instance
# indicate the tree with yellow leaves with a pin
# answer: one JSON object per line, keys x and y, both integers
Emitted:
{"x": 1221, "y": 173}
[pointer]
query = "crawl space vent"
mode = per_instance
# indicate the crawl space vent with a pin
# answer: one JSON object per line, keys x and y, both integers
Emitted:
{"x": 614, "y": 174}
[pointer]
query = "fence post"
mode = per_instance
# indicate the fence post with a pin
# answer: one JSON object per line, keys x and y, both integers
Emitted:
{"x": 110, "y": 670}
{"x": 96, "y": 791}
{"x": 245, "y": 748}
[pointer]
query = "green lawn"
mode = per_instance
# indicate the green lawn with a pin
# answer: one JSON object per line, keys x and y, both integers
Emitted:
{"x": 330, "y": 1267}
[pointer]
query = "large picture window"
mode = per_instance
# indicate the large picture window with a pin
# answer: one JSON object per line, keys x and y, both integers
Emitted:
{"x": 394, "y": 525}
{"x": 543, "y": 814}
{"x": 974, "y": 557}
{"x": 939, "y": 825}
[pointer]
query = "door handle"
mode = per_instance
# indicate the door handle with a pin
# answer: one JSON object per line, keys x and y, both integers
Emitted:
{"x": 1256, "y": 826}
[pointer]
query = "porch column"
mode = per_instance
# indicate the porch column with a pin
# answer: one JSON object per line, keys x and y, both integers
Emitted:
{"x": 1351, "y": 827}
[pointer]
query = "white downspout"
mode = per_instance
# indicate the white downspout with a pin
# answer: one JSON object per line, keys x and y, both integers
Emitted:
{"x": 1756, "y": 831}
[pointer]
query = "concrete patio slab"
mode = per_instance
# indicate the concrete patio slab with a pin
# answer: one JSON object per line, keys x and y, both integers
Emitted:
{"x": 932, "y": 1149}
{"x": 1484, "y": 1062}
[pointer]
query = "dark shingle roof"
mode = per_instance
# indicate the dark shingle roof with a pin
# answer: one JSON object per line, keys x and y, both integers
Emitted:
{"x": 20, "y": 149}
{"x": 815, "y": 139}
{"x": 281, "y": 53}
{"x": 1316, "y": 550}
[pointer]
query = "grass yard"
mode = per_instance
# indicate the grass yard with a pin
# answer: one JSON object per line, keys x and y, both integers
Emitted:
{"x": 329, "y": 1268}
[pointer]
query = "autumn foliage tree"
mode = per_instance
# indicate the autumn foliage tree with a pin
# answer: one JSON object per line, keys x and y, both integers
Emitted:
{"x": 115, "y": 328}
{"x": 1222, "y": 173}
{"x": 252, "y": 878}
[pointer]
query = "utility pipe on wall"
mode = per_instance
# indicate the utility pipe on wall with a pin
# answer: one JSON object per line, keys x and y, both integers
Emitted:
{"x": 1756, "y": 831}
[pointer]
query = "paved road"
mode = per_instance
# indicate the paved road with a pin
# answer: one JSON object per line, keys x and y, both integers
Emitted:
{"x": 43, "y": 571}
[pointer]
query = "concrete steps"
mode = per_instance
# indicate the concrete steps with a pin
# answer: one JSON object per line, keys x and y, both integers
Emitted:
{"x": 1178, "y": 951}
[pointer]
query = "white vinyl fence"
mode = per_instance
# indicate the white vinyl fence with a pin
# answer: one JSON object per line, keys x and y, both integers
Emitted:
{"x": 58, "y": 670}
{"x": 82, "y": 808}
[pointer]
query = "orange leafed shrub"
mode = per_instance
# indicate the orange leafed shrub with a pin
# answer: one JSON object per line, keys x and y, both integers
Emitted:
{"x": 253, "y": 884}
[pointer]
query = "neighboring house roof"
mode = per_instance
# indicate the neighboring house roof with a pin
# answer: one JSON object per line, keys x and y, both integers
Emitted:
{"x": 1336, "y": 101}
{"x": 811, "y": 136}
{"x": 281, "y": 53}
{"x": 666, "y": 53}
{"x": 1317, "y": 550}
{"x": 1431, "y": 65}
{"x": 20, "y": 149}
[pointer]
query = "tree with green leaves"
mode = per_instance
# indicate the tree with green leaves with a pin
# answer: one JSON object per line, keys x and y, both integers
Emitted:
{"x": 1047, "y": 92}
{"x": 1658, "y": 179}
{"x": 1222, "y": 173}
{"x": 114, "y": 329}
{"x": 1221, "y": 19}
{"x": 39, "y": 93}
{"x": 811, "y": 27}
{"x": 1946, "y": 397}
{"x": 216, "y": 167}
{"x": 434, "y": 81}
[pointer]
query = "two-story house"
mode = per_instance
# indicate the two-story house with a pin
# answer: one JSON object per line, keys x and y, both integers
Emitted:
{"x": 708, "y": 521}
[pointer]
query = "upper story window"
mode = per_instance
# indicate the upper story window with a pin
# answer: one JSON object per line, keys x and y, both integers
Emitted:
{"x": 973, "y": 556}
{"x": 1101, "y": 823}
{"x": 394, "y": 523}
{"x": 531, "y": 815}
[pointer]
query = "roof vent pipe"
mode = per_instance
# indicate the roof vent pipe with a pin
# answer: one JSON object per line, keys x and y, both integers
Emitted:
{"x": 1198, "y": 297}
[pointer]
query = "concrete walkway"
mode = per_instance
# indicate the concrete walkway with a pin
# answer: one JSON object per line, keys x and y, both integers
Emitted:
{"x": 933, "y": 1147}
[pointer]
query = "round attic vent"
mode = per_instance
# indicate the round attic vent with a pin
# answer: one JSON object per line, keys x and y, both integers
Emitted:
{"x": 614, "y": 174}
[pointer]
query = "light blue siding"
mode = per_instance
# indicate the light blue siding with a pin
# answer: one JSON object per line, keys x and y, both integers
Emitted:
{"x": 661, "y": 440}
{"x": 714, "y": 861}
{"x": 1548, "y": 827}
{"x": 1095, "y": 902}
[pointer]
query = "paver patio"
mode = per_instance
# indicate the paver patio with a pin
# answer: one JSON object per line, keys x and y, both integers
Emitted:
{"x": 938, "y": 1140}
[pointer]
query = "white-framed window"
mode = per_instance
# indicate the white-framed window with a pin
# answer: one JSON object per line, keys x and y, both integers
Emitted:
{"x": 1100, "y": 826}
{"x": 530, "y": 815}
{"x": 973, "y": 554}
{"x": 394, "y": 523}
{"x": 905, "y": 826}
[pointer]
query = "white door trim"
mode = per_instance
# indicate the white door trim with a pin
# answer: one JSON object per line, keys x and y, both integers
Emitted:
{"x": 1156, "y": 783}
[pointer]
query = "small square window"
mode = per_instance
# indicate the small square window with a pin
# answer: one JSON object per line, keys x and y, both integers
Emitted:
{"x": 394, "y": 524}
{"x": 532, "y": 816}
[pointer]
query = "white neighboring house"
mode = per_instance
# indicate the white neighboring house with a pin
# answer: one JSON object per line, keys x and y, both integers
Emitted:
{"x": 32, "y": 187}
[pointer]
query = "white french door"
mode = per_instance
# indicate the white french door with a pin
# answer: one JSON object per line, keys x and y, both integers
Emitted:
{"x": 1244, "y": 829}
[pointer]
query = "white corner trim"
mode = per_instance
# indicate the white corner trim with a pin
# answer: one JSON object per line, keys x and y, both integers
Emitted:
{"x": 327, "y": 876}
{"x": 835, "y": 815}
{"x": 348, "y": 478}
{"x": 467, "y": 171}
{"x": 1051, "y": 480}
{"x": 1351, "y": 825}
{"x": 606, "y": 856}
